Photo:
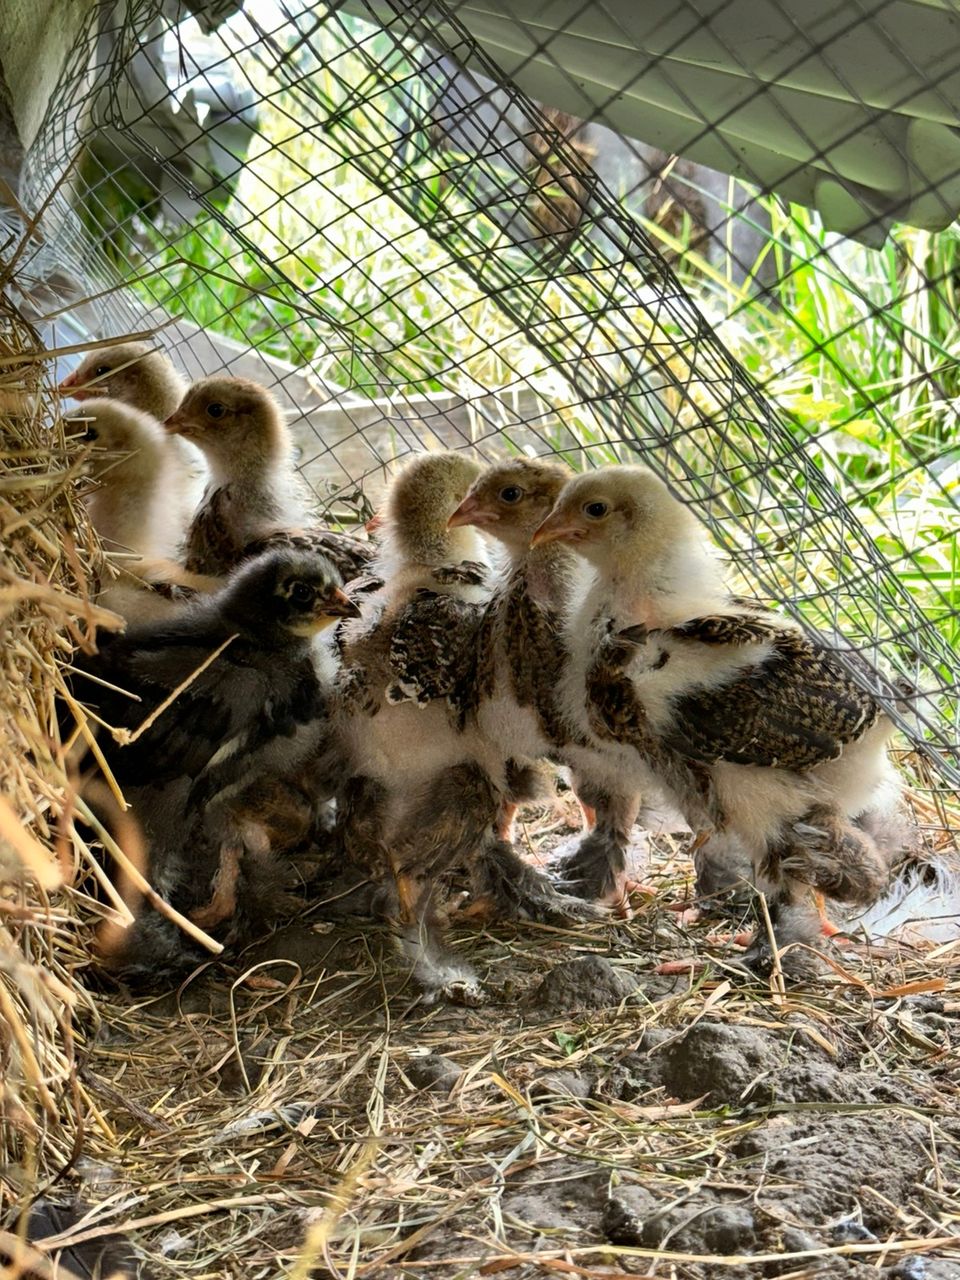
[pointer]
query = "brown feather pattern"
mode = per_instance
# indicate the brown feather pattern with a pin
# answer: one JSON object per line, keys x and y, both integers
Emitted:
{"x": 796, "y": 708}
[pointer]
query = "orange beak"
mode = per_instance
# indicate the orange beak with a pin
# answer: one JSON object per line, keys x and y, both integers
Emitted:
{"x": 175, "y": 423}
{"x": 70, "y": 387}
{"x": 339, "y": 605}
{"x": 558, "y": 527}
{"x": 470, "y": 511}
{"x": 374, "y": 523}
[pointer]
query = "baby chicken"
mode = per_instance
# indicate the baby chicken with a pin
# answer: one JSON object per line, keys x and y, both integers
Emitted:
{"x": 520, "y": 707}
{"x": 137, "y": 373}
{"x": 792, "y": 748}
{"x": 142, "y": 376}
{"x": 204, "y": 776}
{"x": 130, "y": 462}
{"x": 129, "y": 507}
{"x": 254, "y": 499}
{"x": 410, "y": 683}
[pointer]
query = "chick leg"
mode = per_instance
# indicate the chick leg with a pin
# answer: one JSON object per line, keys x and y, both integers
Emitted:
{"x": 827, "y": 851}
{"x": 597, "y": 869}
{"x": 505, "y": 820}
{"x": 223, "y": 903}
{"x": 827, "y": 927}
{"x": 507, "y": 888}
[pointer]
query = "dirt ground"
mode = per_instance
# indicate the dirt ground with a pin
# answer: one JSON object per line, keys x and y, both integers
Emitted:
{"x": 299, "y": 1113}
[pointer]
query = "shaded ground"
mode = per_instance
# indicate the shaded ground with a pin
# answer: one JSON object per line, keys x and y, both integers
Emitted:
{"x": 592, "y": 1119}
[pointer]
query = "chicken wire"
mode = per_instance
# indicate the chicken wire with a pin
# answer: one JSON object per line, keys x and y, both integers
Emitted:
{"x": 359, "y": 200}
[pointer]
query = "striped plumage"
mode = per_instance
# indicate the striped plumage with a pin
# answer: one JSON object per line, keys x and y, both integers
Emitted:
{"x": 520, "y": 703}
{"x": 795, "y": 709}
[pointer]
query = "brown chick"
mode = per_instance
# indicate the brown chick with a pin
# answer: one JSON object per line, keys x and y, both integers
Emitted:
{"x": 136, "y": 373}
{"x": 793, "y": 748}
{"x": 254, "y": 499}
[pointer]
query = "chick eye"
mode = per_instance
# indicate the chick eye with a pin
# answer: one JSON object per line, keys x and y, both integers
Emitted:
{"x": 91, "y": 433}
{"x": 216, "y": 410}
{"x": 301, "y": 592}
{"x": 595, "y": 510}
{"x": 100, "y": 370}
{"x": 512, "y": 493}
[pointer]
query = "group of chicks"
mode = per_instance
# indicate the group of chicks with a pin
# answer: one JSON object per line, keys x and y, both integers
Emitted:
{"x": 504, "y": 622}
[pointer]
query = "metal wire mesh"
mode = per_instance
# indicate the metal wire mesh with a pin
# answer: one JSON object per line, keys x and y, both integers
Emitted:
{"x": 362, "y": 203}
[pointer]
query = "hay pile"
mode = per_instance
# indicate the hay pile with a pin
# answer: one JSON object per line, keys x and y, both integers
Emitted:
{"x": 47, "y": 558}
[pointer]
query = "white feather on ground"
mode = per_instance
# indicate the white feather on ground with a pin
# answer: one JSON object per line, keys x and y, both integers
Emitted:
{"x": 922, "y": 904}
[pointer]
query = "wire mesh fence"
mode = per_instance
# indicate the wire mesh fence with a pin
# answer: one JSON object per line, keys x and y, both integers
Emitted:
{"x": 363, "y": 205}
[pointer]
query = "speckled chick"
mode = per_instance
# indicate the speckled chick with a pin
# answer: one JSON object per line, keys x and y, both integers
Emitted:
{"x": 409, "y": 675}
{"x": 519, "y": 703}
{"x": 793, "y": 748}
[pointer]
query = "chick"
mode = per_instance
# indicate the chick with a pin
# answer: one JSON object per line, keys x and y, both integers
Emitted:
{"x": 254, "y": 499}
{"x": 136, "y": 373}
{"x": 520, "y": 707}
{"x": 140, "y": 375}
{"x": 131, "y": 463}
{"x": 411, "y": 670}
{"x": 792, "y": 748}
{"x": 228, "y": 740}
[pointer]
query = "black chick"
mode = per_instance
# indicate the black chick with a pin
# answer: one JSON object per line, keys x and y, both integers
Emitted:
{"x": 209, "y": 777}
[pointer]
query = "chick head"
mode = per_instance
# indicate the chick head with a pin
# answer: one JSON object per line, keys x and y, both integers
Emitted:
{"x": 616, "y": 515}
{"x": 123, "y": 438}
{"x": 134, "y": 372}
{"x": 235, "y": 422}
{"x": 421, "y": 500}
{"x": 510, "y": 500}
{"x": 284, "y": 593}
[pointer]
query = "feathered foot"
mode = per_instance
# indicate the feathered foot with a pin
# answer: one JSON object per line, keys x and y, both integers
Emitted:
{"x": 516, "y": 891}
{"x": 722, "y": 867}
{"x": 828, "y": 852}
{"x": 596, "y": 871}
{"x": 437, "y": 974}
{"x": 798, "y": 935}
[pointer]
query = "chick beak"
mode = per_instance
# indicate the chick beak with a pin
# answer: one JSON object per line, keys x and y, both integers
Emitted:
{"x": 470, "y": 511}
{"x": 70, "y": 387}
{"x": 339, "y": 605}
{"x": 175, "y": 423}
{"x": 558, "y": 527}
{"x": 374, "y": 523}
